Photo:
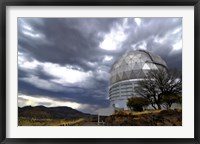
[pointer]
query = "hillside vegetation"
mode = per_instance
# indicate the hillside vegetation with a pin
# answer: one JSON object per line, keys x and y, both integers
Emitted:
{"x": 53, "y": 116}
{"x": 64, "y": 116}
{"x": 146, "y": 118}
{"x": 41, "y": 112}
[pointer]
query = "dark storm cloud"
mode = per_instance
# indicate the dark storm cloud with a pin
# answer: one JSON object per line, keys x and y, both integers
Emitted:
{"x": 159, "y": 38}
{"x": 23, "y": 73}
{"x": 65, "y": 41}
{"x": 49, "y": 45}
{"x": 70, "y": 95}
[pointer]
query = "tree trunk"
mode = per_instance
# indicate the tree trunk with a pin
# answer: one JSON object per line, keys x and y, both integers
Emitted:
{"x": 169, "y": 105}
{"x": 153, "y": 106}
{"x": 159, "y": 107}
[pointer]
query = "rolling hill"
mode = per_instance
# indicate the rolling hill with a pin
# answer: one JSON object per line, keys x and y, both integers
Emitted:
{"x": 41, "y": 112}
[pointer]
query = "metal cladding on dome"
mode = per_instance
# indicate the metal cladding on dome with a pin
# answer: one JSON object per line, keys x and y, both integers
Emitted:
{"x": 135, "y": 65}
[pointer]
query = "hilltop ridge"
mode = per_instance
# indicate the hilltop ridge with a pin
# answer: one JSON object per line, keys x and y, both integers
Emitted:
{"x": 41, "y": 112}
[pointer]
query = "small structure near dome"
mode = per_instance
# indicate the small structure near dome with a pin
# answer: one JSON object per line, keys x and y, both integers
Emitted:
{"x": 104, "y": 112}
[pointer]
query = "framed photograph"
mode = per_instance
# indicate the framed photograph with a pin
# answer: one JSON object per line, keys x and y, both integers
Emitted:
{"x": 99, "y": 71}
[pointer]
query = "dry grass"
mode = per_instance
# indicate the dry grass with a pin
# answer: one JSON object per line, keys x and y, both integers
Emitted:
{"x": 48, "y": 122}
{"x": 73, "y": 123}
{"x": 146, "y": 118}
{"x": 128, "y": 112}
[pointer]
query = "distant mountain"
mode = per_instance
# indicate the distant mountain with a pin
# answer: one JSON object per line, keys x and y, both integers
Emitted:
{"x": 50, "y": 112}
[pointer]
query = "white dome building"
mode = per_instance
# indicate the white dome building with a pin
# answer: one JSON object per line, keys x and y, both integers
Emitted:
{"x": 126, "y": 71}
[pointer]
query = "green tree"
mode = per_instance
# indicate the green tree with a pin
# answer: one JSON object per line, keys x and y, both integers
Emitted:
{"x": 168, "y": 100}
{"x": 137, "y": 103}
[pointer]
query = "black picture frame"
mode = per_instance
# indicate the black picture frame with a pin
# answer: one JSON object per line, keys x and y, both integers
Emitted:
{"x": 5, "y": 3}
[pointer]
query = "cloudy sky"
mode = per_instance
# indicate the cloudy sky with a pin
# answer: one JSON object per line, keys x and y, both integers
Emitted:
{"x": 66, "y": 61}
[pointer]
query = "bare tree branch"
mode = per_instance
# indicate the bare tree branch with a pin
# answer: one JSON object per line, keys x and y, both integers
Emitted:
{"x": 160, "y": 83}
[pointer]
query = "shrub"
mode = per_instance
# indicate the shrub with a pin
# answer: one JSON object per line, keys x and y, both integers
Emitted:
{"x": 137, "y": 103}
{"x": 168, "y": 100}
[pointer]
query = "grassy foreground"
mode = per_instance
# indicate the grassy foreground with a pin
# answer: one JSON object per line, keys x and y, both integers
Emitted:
{"x": 49, "y": 122}
{"x": 146, "y": 118}
{"x": 119, "y": 118}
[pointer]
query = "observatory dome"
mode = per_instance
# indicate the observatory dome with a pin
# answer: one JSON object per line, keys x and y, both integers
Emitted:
{"x": 134, "y": 65}
{"x": 130, "y": 68}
